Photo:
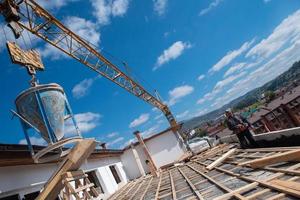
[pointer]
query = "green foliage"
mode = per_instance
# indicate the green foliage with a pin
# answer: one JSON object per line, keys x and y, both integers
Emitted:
{"x": 200, "y": 133}
{"x": 269, "y": 95}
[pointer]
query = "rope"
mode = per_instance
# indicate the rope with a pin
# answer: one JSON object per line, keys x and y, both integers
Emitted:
{"x": 30, "y": 39}
{"x": 4, "y": 32}
{"x": 25, "y": 44}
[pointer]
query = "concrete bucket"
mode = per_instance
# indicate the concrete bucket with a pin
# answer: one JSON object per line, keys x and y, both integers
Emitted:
{"x": 44, "y": 107}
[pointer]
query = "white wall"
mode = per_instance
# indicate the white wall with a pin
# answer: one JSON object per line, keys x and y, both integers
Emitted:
{"x": 30, "y": 178}
{"x": 164, "y": 149}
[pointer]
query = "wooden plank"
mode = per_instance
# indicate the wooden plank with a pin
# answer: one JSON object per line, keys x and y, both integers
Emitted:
{"x": 221, "y": 159}
{"x": 84, "y": 187}
{"x": 72, "y": 162}
{"x": 145, "y": 192}
{"x": 237, "y": 191}
{"x": 293, "y": 185}
{"x": 172, "y": 186}
{"x": 263, "y": 183}
{"x": 277, "y": 197}
{"x": 277, "y": 158}
{"x": 220, "y": 185}
{"x": 194, "y": 189}
{"x": 158, "y": 187}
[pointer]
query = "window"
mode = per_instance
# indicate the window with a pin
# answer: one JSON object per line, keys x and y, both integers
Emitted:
{"x": 115, "y": 173}
{"x": 31, "y": 196}
{"x": 92, "y": 176}
{"x": 12, "y": 197}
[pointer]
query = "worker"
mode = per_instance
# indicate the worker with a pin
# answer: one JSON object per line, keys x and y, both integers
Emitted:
{"x": 240, "y": 127}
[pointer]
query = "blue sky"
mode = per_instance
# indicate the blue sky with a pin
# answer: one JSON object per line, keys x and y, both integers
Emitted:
{"x": 199, "y": 55}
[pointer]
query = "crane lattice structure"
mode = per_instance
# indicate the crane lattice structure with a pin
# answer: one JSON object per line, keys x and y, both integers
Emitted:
{"x": 29, "y": 15}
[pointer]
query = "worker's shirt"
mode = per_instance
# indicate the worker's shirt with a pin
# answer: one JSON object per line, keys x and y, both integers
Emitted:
{"x": 232, "y": 124}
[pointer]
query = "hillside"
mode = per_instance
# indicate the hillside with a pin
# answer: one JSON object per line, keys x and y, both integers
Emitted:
{"x": 283, "y": 80}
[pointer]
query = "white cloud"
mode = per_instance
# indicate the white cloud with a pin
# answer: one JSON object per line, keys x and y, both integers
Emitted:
{"x": 85, "y": 121}
{"x": 200, "y": 112}
{"x": 173, "y": 52}
{"x": 82, "y": 88}
{"x": 54, "y": 4}
{"x": 230, "y": 56}
{"x": 182, "y": 115}
{"x": 82, "y": 27}
{"x": 113, "y": 134}
{"x": 201, "y": 77}
{"x": 277, "y": 65}
{"x": 269, "y": 58}
{"x": 219, "y": 87}
{"x": 235, "y": 68}
{"x": 176, "y": 94}
{"x": 150, "y": 131}
{"x": 140, "y": 120}
{"x": 115, "y": 141}
{"x": 128, "y": 142}
{"x": 221, "y": 84}
{"x": 104, "y": 10}
{"x": 27, "y": 40}
{"x": 211, "y": 6}
{"x": 160, "y": 6}
{"x": 286, "y": 33}
{"x": 34, "y": 141}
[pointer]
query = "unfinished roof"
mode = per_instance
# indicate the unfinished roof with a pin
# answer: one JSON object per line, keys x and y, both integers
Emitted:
{"x": 232, "y": 179}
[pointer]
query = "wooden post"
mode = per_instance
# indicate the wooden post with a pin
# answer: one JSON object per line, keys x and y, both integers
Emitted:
{"x": 72, "y": 162}
{"x": 151, "y": 164}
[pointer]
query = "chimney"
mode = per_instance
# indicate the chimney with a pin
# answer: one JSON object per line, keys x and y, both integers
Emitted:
{"x": 103, "y": 145}
{"x": 149, "y": 161}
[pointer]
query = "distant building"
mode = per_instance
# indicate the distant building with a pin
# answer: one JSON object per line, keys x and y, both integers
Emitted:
{"x": 281, "y": 113}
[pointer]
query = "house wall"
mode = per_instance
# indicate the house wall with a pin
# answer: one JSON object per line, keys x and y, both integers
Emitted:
{"x": 31, "y": 178}
{"x": 164, "y": 149}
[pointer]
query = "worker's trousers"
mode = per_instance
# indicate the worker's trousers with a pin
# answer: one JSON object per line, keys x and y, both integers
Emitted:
{"x": 246, "y": 139}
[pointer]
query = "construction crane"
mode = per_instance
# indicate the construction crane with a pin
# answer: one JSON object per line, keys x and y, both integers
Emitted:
{"x": 29, "y": 15}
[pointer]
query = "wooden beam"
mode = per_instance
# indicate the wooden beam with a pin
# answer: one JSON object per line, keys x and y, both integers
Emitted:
{"x": 172, "y": 186}
{"x": 290, "y": 185}
{"x": 158, "y": 187}
{"x": 193, "y": 187}
{"x": 72, "y": 162}
{"x": 293, "y": 155}
{"x": 237, "y": 191}
{"x": 221, "y": 159}
{"x": 146, "y": 189}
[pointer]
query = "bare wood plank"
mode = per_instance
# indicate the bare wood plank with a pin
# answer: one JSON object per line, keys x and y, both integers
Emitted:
{"x": 158, "y": 187}
{"x": 277, "y": 158}
{"x": 72, "y": 162}
{"x": 223, "y": 187}
{"x": 194, "y": 189}
{"x": 172, "y": 186}
{"x": 263, "y": 183}
{"x": 237, "y": 191}
{"x": 146, "y": 189}
{"x": 293, "y": 185}
{"x": 221, "y": 159}
{"x": 277, "y": 197}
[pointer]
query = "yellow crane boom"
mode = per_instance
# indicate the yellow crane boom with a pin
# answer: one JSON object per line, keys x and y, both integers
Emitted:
{"x": 29, "y": 15}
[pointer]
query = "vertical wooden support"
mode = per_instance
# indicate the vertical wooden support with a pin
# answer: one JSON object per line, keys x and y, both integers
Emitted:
{"x": 151, "y": 163}
{"x": 72, "y": 162}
